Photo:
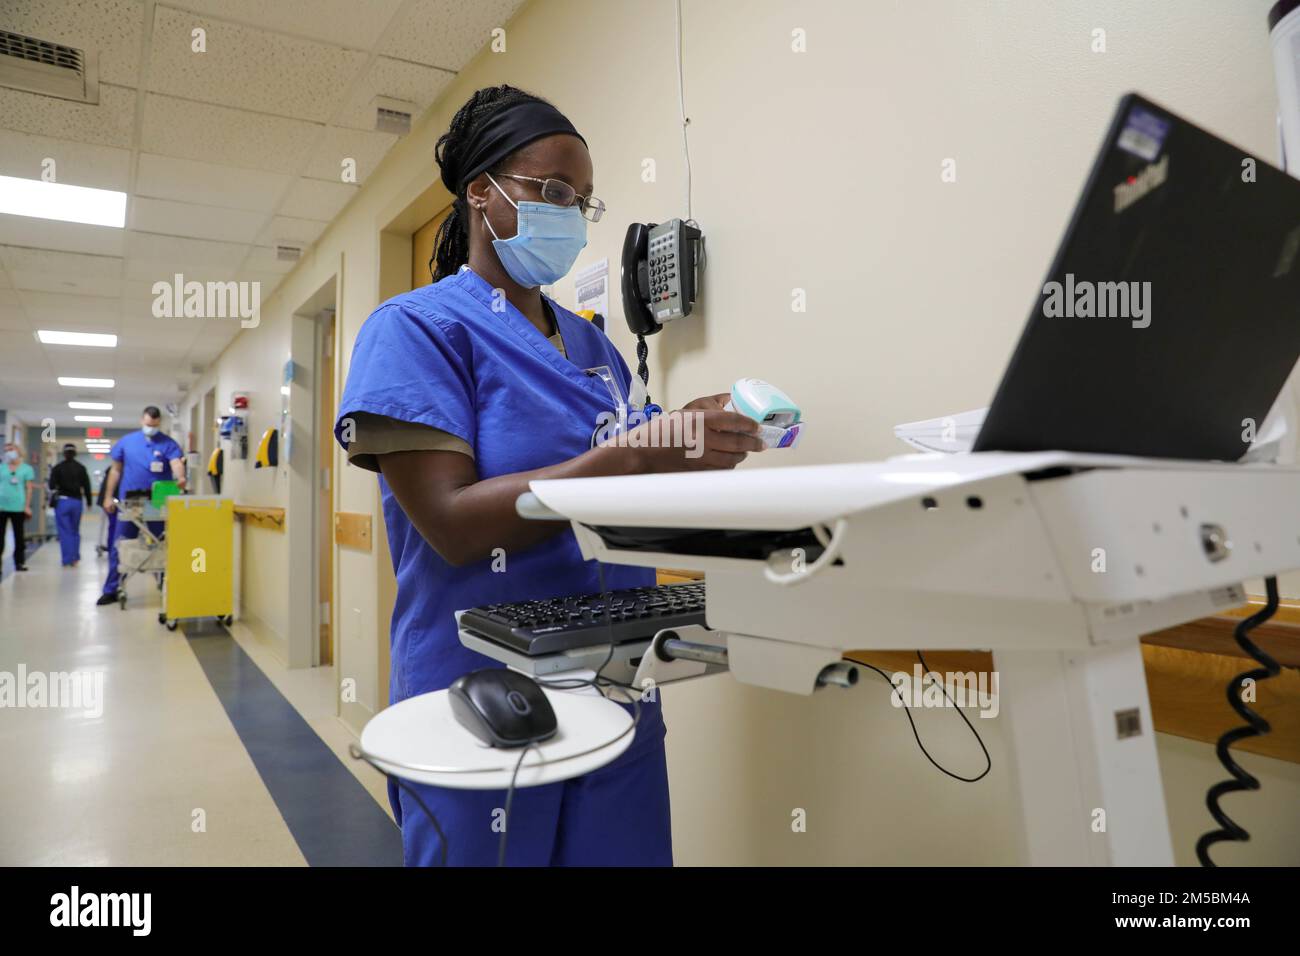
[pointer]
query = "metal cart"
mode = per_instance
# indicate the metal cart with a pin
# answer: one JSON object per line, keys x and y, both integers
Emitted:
{"x": 144, "y": 554}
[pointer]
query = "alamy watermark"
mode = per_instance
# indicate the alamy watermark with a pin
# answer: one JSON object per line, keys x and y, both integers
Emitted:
{"x": 954, "y": 689}
{"x": 67, "y": 690}
{"x": 1083, "y": 299}
{"x": 677, "y": 429}
{"x": 177, "y": 299}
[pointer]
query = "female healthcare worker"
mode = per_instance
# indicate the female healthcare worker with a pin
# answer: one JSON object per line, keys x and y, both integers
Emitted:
{"x": 461, "y": 392}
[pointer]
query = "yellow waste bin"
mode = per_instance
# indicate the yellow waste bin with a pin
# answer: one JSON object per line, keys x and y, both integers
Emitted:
{"x": 200, "y": 578}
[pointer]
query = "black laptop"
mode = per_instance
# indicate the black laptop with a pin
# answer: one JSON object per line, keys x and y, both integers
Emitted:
{"x": 1170, "y": 318}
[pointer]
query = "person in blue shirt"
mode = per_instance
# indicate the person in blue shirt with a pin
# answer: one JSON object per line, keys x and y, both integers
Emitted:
{"x": 460, "y": 393}
{"x": 139, "y": 459}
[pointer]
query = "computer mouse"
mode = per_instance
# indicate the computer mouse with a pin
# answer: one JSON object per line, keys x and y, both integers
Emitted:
{"x": 502, "y": 708}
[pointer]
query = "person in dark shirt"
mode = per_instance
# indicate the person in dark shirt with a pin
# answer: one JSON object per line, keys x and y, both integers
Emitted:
{"x": 70, "y": 483}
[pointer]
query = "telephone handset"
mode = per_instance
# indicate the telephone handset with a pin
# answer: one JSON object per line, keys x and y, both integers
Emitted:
{"x": 658, "y": 273}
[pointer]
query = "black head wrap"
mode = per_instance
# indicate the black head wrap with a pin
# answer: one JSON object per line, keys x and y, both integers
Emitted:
{"x": 507, "y": 130}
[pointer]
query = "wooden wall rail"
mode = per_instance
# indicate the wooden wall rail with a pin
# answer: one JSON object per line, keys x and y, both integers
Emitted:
{"x": 271, "y": 518}
{"x": 352, "y": 530}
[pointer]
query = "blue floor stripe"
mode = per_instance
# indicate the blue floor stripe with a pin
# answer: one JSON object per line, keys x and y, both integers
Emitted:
{"x": 333, "y": 818}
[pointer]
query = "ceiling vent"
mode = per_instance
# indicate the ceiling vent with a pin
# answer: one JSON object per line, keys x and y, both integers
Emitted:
{"x": 393, "y": 116}
{"x": 50, "y": 69}
{"x": 287, "y": 253}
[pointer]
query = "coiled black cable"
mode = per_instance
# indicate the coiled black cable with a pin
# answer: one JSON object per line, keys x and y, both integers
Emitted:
{"x": 642, "y": 370}
{"x": 1229, "y": 829}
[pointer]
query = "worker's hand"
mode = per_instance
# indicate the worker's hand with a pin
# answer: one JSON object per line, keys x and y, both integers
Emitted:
{"x": 180, "y": 483}
{"x": 708, "y": 403}
{"x": 692, "y": 440}
{"x": 27, "y": 511}
{"x": 109, "y": 506}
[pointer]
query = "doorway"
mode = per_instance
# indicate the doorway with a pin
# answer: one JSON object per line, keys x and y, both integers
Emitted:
{"x": 325, "y": 410}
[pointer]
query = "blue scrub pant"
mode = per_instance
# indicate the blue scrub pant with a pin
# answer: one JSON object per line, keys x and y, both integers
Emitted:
{"x": 615, "y": 816}
{"x": 67, "y": 517}
{"x": 116, "y": 531}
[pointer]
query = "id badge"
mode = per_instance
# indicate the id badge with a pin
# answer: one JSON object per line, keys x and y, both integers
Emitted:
{"x": 156, "y": 467}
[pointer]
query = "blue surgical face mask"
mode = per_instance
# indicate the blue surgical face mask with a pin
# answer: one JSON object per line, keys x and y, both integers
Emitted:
{"x": 546, "y": 242}
{"x": 11, "y": 455}
{"x": 149, "y": 430}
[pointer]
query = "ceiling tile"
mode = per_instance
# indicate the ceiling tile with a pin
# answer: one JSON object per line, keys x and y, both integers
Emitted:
{"x": 317, "y": 199}
{"x": 37, "y": 269}
{"x": 78, "y": 164}
{"x": 63, "y": 236}
{"x": 202, "y": 222}
{"x": 159, "y": 258}
{"x": 112, "y": 28}
{"x": 276, "y": 74}
{"x": 19, "y": 259}
{"x": 331, "y": 21}
{"x": 223, "y": 135}
{"x": 284, "y": 228}
{"x": 365, "y": 149}
{"x": 262, "y": 259}
{"x": 210, "y": 184}
{"x": 111, "y": 123}
{"x": 83, "y": 313}
{"x": 446, "y": 33}
{"x": 412, "y": 82}
{"x": 70, "y": 284}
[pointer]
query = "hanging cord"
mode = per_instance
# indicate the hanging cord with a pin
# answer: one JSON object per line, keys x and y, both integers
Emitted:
{"x": 681, "y": 105}
{"x": 1229, "y": 829}
{"x": 643, "y": 370}
{"x": 907, "y": 710}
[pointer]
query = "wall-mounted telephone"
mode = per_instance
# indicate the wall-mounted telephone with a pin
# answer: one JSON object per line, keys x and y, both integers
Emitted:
{"x": 658, "y": 273}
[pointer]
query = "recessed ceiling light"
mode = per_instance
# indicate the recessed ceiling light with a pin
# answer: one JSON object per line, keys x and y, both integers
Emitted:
{"x": 93, "y": 339}
{"x": 93, "y": 406}
{"x": 59, "y": 201}
{"x": 85, "y": 382}
{"x": 93, "y": 418}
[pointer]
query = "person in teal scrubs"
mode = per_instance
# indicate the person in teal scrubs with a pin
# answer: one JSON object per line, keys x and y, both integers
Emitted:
{"x": 16, "y": 482}
{"x": 460, "y": 393}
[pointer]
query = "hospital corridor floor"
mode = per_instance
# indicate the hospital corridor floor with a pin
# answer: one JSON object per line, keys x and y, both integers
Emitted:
{"x": 200, "y": 749}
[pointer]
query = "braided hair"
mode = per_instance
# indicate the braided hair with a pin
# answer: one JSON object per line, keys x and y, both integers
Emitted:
{"x": 451, "y": 244}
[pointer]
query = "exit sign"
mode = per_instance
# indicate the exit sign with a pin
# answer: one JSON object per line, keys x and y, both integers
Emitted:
{"x": 94, "y": 433}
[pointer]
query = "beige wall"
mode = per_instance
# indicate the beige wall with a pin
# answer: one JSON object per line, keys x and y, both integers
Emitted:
{"x": 820, "y": 171}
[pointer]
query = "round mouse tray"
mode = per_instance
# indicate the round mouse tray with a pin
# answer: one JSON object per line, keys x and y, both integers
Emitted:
{"x": 419, "y": 739}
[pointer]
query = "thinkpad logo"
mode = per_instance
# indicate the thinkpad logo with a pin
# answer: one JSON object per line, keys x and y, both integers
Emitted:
{"x": 1135, "y": 187}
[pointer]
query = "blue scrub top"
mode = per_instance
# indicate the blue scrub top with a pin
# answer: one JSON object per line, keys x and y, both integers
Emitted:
{"x": 137, "y": 453}
{"x": 454, "y": 356}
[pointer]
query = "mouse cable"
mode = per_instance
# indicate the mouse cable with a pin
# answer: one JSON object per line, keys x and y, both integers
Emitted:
{"x": 358, "y": 754}
{"x": 1256, "y": 726}
{"x": 510, "y": 799}
{"x": 597, "y": 682}
{"x": 988, "y": 761}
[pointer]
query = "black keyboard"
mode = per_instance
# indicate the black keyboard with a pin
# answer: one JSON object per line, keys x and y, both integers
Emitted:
{"x": 562, "y": 624}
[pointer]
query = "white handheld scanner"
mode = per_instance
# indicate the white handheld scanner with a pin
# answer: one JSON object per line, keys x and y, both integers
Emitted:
{"x": 773, "y": 409}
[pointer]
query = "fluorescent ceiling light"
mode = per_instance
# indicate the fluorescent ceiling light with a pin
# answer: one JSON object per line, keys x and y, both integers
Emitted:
{"x": 93, "y": 339}
{"x": 93, "y": 406}
{"x": 85, "y": 382}
{"x": 41, "y": 200}
{"x": 93, "y": 418}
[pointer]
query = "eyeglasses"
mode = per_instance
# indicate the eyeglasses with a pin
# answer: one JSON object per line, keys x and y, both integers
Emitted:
{"x": 559, "y": 193}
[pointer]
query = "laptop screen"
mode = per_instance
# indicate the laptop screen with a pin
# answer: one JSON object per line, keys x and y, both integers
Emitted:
{"x": 1170, "y": 318}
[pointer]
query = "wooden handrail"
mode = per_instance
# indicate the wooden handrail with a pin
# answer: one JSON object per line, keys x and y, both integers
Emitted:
{"x": 272, "y": 518}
